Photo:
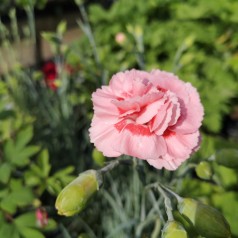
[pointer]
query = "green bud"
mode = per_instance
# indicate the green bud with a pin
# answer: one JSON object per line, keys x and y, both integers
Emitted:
{"x": 203, "y": 170}
{"x": 75, "y": 196}
{"x": 186, "y": 223}
{"x": 227, "y": 158}
{"x": 207, "y": 221}
{"x": 189, "y": 40}
{"x": 173, "y": 229}
{"x": 138, "y": 31}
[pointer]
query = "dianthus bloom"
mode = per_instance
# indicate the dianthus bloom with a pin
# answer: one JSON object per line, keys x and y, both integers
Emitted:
{"x": 50, "y": 73}
{"x": 152, "y": 116}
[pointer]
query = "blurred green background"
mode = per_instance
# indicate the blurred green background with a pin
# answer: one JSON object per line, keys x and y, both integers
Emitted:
{"x": 54, "y": 54}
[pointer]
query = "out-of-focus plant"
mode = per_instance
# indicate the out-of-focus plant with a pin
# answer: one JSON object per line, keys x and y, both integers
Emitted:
{"x": 25, "y": 175}
{"x": 158, "y": 36}
{"x": 182, "y": 37}
{"x": 62, "y": 115}
{"x": 170, "y": 35}
{"x": 28, "y": 179}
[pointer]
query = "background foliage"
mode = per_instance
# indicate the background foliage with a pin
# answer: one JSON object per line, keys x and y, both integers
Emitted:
{"x": 44, "y": 140}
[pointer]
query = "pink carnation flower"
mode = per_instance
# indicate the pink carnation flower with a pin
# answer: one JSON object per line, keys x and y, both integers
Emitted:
{"x": 152, "y": 116}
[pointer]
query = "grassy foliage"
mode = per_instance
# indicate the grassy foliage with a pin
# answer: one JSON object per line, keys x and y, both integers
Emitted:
{"x": 44, "y": 140}
{"x": 196, "y": 40}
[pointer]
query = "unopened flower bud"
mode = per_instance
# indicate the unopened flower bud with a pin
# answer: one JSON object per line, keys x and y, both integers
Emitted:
{"x": 173, "y": 229}
{"x": 120, "y": 38}
{"x": 203, "y": 170}
{"x": 138, "y": 31}
{"x": 184, "y": 221}
{"x": 189, "y": 40}
{"x": 227, "y": 158}
{"x": 74, "y": 197}
{"x": 207, "y": 221}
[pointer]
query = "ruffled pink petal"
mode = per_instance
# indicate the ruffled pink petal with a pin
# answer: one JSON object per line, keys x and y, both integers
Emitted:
{"x": 102, "y": 102}
{"x": 102, "y": 136}
{"x": 191, "y": 108}
{"x": 142, "y": 147}
{"x": 152, "y": 116}
{"x": 135, "y": 129}
{"x": 150, "y": 98}
{"x": 126, "y": 107}
{"x": 162, "y": 119}
{"x": 176, "y": 112}
{"x": 180, "y": 146}
{"x": 161, "y": 163}
{"x": 130, "y": 105}
{"x": 158, "y": 120}
{"x": 141, "y": 86}
{"x": 165, "y": 123}
{"x": 149, "y": 111}
{"x": 130, "y": 83}
{"x": 120, "y": 86}
{"x": 168, "y": 81}
{"x": 192, "y": 113}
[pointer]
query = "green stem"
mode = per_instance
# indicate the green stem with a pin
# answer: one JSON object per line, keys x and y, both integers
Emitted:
{"x": 184, "y": 170}
{"x": 113, "y": 164}
{"x": 156, "y": 205}
{"x": 179, "y": 199}
{"x": 167, "y": 203}
{"x": 88, "y": 31}
{"x": 14, "y": 25}
{"x": 140, "y": 51}
{"x": 31, "y": 20}
{"x": 86, "y": 28}
{"x": 110, "y": 166}
{"x": 179, "y": 52}
{"x": 157, "y": 229}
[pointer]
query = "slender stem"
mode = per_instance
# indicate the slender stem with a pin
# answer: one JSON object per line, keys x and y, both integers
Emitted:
{"x": 162, "y": 190}
{"x": 110, "y": 166}
{"x": 87, "y": 228}
{"x": 3, "y": 31}
{"x": 216, "y": 179}
{"x": 179, "y": 199}
{"x": 211, "y": 158}
{"x": 140, "y": 50}
{"x": 179, "y": 52}
{"x": 14, "y": 26}
{"x": 88, "y": 32}
{"x": 183, "y": 171}
{"x": 156, "y": 205}
{"x": 113, "y": 164}
{"x": 157, "y": 229}
{"x": 167, "y": 203}
{"x": 142, "y": 211}
{"x": 86, "y": 28}
{"x": 31, "y": 20}
{"x": 144, "y": 224}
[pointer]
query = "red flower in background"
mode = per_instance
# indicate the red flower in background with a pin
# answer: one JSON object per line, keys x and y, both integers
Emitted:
{"x": 50, "y": 72}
